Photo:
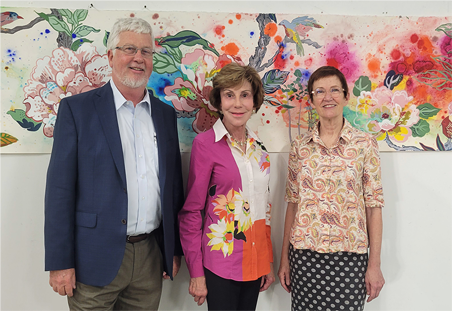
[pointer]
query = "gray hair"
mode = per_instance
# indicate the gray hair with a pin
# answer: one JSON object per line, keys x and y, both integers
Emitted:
{"x": 135, "y": 24}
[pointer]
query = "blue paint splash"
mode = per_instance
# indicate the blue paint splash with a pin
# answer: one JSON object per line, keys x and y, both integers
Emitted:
{"x": 251, "y": 34}
{"x": 11, "y": 56}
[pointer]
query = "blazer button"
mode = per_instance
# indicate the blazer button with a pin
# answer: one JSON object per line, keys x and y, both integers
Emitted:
{"x": 123, "y": 221}
{"x": 125, "y": 190}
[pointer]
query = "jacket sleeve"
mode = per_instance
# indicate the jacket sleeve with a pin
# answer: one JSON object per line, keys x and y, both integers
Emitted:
{"x": 60, "y": 193}
{"x": 178, "y": 190}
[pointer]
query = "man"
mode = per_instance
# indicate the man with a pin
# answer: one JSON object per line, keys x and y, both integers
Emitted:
{"x": 114, "y": 186}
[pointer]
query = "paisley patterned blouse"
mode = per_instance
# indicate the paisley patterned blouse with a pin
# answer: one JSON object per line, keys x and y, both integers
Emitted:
{"x": 333, "y": 187}
{"x": 225, "y": 222}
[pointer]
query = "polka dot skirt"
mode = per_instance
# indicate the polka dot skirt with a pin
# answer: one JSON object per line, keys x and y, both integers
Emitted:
{"x": 327, "y": 281}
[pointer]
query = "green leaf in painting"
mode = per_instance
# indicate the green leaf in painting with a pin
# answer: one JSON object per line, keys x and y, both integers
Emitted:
{"x": 362, "y": 84}
{"x": 427, "y": 110}
{"x": 68, "y": 14}
{"x": 420, "y": 129}
{"x": 7, "y": 139}
{"x": 440, "y": 144}
{"x": 445, "y": 62}
{"x": 58, "y": 25}
{"x": 80, "y": 15}
{"x": 105, "y": 40}
{"x": 273, "y": 81}
{"x": 446, "y": 28}
{"x": 77, "y": 43}
{"x": 175, "y": 53}
{"x": 271, "y": 101}
{"x": 188, "y": 38}
{"x": 83, "y": 30}
{"x": 297, "y": 73}
{"x": 426, "y": 148}
{"x": 288, "y": 106}
{"x": 43, "y": 15}
{"x": 25, "y": 122}
{"x": 164, "y": 63}
{"x": 437, "y": 79}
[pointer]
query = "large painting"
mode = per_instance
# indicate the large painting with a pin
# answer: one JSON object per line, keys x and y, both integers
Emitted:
{"x": 399, "y": 71}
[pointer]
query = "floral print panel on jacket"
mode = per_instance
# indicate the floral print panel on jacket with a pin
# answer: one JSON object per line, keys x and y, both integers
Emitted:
{"x": 333, "y": 187}
{"x": 225, "y": 221}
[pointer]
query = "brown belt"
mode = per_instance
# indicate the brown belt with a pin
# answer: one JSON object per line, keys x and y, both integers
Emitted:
{"x": 137, "y": 238}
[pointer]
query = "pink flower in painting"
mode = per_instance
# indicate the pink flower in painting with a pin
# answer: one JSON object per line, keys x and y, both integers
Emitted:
{"x": 389, "y": 113}
{"x": 192, "y": 95}
{"x": 63, "y": 74}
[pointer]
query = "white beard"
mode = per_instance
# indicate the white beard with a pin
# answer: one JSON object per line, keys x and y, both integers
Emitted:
{"x": 134, "y": 84}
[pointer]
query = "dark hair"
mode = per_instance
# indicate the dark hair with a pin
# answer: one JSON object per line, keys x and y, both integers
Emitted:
{"x": 232, "y": 75}
{"x": 323, "y": 72}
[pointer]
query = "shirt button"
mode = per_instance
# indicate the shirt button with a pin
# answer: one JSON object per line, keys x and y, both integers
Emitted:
{"x": 142, "y": 176}
{"x": 142, "y": 198}
{"x": 140, "y": 156}
{"x": 123, "y": 221}
{"x": 254, "y": 243}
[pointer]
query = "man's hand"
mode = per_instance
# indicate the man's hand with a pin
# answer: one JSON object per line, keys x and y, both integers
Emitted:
{"x": 63, "y": 281}
{"x": 198, "y": 289}
{"x": 176, "y": 267}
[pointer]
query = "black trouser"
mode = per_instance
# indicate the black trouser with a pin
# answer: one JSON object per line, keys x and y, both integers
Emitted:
{"x": 223, "y": 294}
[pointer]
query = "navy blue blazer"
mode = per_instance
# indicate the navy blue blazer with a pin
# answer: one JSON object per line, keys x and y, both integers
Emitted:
{"x": 86, "y": 194}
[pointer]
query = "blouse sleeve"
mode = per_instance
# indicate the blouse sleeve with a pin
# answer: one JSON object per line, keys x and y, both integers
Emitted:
{"x": 372, "y": 186}
{"x": 190, "y": 216}
{"x": 292, "y": 192}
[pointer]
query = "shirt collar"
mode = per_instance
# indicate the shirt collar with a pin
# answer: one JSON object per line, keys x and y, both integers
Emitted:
{"x": 346, "y": 133}
{"x": 220, "y": 131}
{"x": 120, "y": 99}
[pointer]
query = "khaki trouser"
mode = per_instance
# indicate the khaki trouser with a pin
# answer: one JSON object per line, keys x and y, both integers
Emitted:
{"x": 137, "y": 286}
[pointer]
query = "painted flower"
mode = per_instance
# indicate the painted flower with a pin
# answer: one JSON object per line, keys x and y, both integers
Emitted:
{"x": 192, "y": 94}
{"x": 63, "y": 74}
{"x": 389, "y": 113}
{"x": 225, "y": 205}
{"x": 222, "y": 237}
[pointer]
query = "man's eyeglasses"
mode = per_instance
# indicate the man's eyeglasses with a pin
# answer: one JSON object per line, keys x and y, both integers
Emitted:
{"x": 132, "y": 50}
{"x": 321, "y": 93}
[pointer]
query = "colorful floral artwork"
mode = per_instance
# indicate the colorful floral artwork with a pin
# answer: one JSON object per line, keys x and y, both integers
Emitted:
{"x": 399, "y": 71}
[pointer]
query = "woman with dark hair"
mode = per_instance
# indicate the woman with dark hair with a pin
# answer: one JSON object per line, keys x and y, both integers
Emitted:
{"x": 225, "y": 221}
{"x": 335, "y": 200}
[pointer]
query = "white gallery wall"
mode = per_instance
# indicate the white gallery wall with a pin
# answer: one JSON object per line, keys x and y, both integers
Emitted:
{"x": 417, "y": 239}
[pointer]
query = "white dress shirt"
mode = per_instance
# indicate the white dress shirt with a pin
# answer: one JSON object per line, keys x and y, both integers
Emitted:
{"x": 139, "y": 147}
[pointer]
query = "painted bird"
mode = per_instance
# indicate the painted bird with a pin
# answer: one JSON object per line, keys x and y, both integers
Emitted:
{"x": 297, "y": 29}
{"x": 9, "y": 17}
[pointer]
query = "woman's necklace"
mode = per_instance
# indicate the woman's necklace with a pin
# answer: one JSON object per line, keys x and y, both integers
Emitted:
{"x": 240, "y": 143}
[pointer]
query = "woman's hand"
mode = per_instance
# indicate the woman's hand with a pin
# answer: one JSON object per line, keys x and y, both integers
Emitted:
{"x": 198, "y": 289}
{"x": 268, "y": 279}
{"x": 284, "y": 274}
{"x": 374, "y": 282}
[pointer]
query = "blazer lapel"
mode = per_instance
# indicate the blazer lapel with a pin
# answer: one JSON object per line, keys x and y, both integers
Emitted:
{"x": 159, "y": 125}
{"x": 106, "y": 110}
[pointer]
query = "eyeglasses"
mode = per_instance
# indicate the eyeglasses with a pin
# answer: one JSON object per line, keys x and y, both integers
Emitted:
{"x": 132, "y": 50}
{"x": 321, "y": 93}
